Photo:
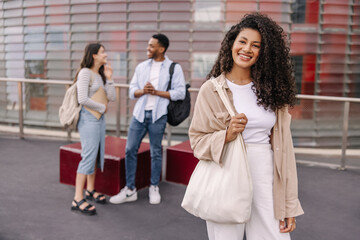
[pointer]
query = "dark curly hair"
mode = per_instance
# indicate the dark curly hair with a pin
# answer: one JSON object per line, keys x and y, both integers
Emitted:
{"x": 272, "y": 74}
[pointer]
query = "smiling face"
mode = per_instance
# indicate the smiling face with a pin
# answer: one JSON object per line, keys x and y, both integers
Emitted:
{"x": 100, "y": 57}
{"x": 246, "y": 48}
{"x": 154, "y": 49}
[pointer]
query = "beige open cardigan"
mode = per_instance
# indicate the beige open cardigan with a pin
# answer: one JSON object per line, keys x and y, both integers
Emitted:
{"x": 207, "y": 137}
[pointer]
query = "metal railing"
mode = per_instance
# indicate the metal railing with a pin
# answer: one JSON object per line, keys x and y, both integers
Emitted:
{"x": 21, "y": 81}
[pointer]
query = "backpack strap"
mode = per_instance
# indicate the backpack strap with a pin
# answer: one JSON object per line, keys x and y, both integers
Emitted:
{"x": 171, "y": 72}
{"x": 91, "y": 79}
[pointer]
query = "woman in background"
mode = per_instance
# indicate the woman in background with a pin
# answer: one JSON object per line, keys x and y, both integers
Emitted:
{"x": 94, "y": 73}
{"x": 254, "y": 67}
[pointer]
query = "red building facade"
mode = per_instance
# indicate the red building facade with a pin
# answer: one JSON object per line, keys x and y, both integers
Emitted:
{"x": 45, "y": 39}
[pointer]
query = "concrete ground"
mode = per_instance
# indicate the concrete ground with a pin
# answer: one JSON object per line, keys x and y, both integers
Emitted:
{"x": 34, "y": 205}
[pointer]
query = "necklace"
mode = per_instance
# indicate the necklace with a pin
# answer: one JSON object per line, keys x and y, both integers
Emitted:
{"x": 233, "y": 81}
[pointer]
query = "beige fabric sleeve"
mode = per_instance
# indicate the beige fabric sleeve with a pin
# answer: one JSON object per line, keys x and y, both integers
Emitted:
{"x": 207, "y": 131}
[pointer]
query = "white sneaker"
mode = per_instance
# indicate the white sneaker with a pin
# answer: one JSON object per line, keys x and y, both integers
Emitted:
{"x": 125, "y": 195}
{"x": 154, "y": 195}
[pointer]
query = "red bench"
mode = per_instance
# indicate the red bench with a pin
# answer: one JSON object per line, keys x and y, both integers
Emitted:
{"x": 180, "y": 163}
{"x": 113, "y": 178}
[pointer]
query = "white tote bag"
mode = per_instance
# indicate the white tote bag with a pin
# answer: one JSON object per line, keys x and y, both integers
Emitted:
{"x": 223, "y": 193}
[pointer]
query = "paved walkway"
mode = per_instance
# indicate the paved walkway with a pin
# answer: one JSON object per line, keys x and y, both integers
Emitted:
{"x": 34, "y": 205}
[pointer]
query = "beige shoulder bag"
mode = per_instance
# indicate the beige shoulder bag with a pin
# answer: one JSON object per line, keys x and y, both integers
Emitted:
{"x": 222, "y": 194}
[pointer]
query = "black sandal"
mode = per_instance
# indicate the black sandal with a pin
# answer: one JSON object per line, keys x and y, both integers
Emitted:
{"x": 85, "y": 210}
{"x": 97, "y": 199}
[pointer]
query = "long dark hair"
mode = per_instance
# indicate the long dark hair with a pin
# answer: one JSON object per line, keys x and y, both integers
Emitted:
{"x": 274, "y": 84}
{"x": 88, "y": 60}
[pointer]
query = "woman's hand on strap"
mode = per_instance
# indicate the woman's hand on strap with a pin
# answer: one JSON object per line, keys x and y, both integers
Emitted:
{"x": 287, "y": 225}
{"x": 236, "y": 126}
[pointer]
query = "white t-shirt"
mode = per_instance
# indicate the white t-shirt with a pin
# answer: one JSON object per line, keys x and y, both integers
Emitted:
{"x": 154, "y": 80}
{"x": 260, "y": 121}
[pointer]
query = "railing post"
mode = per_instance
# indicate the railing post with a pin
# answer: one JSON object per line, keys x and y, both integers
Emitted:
{"x": 69, "y": 134}
{"x": 69, "y": 130}
{"x": 118, "y": 111}
{"x": 345, "y": 134}
{"x": 21, "y": 116}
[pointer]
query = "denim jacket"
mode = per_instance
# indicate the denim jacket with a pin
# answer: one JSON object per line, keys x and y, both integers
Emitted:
{"x": 142, "y": 76}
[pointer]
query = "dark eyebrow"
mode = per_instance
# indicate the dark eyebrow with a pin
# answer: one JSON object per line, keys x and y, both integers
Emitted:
{"x": 247, "y": 39}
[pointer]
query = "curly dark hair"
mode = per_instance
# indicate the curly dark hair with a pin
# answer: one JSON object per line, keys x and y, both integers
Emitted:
{"x": 272, "y": 74}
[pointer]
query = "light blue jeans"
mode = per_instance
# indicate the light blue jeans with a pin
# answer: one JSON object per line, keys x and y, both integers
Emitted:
{"x": 92, "y": 137}
{"x": 136, "y": 133}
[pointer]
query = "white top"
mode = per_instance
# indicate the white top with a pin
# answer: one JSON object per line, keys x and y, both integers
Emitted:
{"x": 154, "y": 80}
{"x": 260, "y": 121}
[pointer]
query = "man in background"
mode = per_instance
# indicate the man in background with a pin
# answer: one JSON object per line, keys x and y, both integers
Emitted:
{"x": 149, "y": 85}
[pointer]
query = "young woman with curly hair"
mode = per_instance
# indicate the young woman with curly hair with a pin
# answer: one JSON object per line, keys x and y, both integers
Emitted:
{"x": 255, "y": 69}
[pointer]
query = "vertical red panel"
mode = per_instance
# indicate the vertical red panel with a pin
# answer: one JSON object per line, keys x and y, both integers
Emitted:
{"x": 312, "y": 11}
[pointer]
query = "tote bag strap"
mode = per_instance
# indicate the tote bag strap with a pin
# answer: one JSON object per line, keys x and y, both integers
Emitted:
{"x": 224, "y": 98}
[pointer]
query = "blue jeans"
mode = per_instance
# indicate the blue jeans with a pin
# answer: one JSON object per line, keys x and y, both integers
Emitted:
{"x": 136, "y": 133}
{"x": 92, "y": 137}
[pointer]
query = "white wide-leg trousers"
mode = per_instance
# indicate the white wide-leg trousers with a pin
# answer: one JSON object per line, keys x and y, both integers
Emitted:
{"x": 262, "y": 224}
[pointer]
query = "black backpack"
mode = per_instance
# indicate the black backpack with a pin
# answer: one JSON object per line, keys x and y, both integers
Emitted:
{"x": 178, "y": 110}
